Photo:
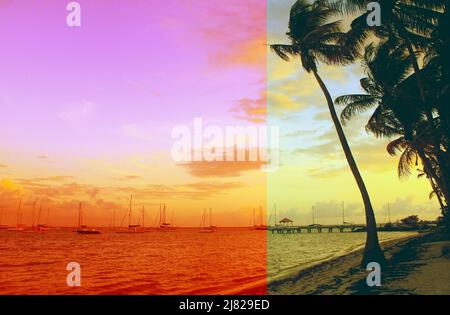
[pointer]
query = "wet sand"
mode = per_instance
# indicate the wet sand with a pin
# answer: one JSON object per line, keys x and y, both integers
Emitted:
{"x": 416, "y": 265}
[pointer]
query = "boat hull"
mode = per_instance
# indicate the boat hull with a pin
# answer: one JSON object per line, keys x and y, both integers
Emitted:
{"x": 88, "y": 232}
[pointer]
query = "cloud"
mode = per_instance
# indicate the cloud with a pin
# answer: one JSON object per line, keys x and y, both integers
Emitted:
{"x": 369, "y": 155}
{"x": 7, "y": 184}
{"x": 42, "y": 157}
{"x": 129, "y": 177}
{"x": 236, "y": 33}
{"x": 59, "y": 178}
{"x": 55, "y": 189}
{"x": 282, "y": 103}
{"x": 221, "y": 168}
{"x": 193, "y": 191}
{"x": 2, "y": 166}
{"x": 251, "y": 52}
{"x": 299, "y": 133}
{"x": 253, "y": 110}
{"x": 326, "y": 172}
{"x": 405, "y": 206}
{"x": 322, "y": 115}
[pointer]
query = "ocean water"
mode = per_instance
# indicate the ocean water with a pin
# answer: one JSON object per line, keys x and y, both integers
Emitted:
{"x": 171, "y": 262}
{"x": 161, "y": 262}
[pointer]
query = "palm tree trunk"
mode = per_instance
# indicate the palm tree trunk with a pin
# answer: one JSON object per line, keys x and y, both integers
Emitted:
{"x": 433, "y": 178}
{"x": 372, "y": 251}
{"x": 438, "y": 196}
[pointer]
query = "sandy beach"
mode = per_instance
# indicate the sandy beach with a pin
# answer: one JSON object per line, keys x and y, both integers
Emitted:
{"x": 416, "y": 265}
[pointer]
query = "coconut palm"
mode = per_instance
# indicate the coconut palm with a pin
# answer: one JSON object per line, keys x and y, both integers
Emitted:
{"x": 314, "y": 38}
{"x": 437, "y": 73}
{"x": 411, "y": 23}
{"x": 399, "y": 112}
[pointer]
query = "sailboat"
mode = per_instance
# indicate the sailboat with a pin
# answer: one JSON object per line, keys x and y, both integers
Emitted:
{"x": 2, "y": 227}
{"x": 83, "y": 229}
{"x": 204, "y": 227}
{"x": 41, "y": 227}
{"x": 38, "y": 227}
{"x": 274, "y": 211}
{"x": 260, "y": 226}
{"x": 32, "y": 228}
{"x": 162, "y": 218}
{"x": 19, "y": 226}
{"x": 132, "y": 228}
{"x": 35, "y": 227}
{"x": 163, "y": 224}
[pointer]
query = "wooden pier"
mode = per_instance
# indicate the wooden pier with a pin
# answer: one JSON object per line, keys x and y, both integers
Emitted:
{"x": 316, "y": 227}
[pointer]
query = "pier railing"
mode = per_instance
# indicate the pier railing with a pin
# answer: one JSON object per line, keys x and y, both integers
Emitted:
{"x": 317, "y": 228}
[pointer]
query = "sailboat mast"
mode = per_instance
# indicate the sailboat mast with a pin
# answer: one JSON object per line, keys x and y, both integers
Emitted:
{"x": 18, "y": 212}
{"x": 32, "y": 214}
{"x": 210, "y": 217}
{"x": 204, "y": 217}
{"x": 129, "y": 211}
{"x": 313, "y": 214}
{"x": 143, "y": 225}
{"x": 261, "y": 217}
{"x": 275, "y": 214}
{"x": 79, "y": 215}
{"x": 164, "y": 214}
{"x": 343, "y": 213}
{"x": 389, "y": 212}
{"x": 39, "y": 214}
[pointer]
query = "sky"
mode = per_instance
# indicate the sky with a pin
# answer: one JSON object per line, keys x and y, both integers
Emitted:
{"x": 87, "y": 115}
{"x": 313, "y": 169}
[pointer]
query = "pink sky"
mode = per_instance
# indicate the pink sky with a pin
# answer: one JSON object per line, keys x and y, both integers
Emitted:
{"x": 149, "y": 64}
{"x": 114, "y": 88}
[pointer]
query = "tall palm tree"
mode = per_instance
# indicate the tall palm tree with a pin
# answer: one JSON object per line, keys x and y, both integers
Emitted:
{"x": 314, "y": 38}
{"x": 411, "y": 24}
{"x": 437, "y": 72}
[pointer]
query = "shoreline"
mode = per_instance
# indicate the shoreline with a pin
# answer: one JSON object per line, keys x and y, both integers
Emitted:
{"x": 310, "y": 266}
{"x": 300, "y": 272}
{"x": 343, "y": 274}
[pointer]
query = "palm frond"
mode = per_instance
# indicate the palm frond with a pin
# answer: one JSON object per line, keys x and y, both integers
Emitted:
{"x": 355, "y": 105}
{"x": 407, "y": 159}
{"x": 284, "y": 51}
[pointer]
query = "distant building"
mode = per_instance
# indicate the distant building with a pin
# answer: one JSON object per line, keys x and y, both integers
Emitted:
{"x": 286, "y": 222}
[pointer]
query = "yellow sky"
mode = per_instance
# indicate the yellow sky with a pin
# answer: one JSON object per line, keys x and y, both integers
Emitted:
{"x": 314, "y": 170}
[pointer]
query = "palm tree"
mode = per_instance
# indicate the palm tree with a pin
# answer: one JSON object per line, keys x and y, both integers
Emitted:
{"x": 398, "y": 111}
{"x": 314, "y": 38}
{"x": 437, "y": 71}
{"x": 411, "y": 24}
